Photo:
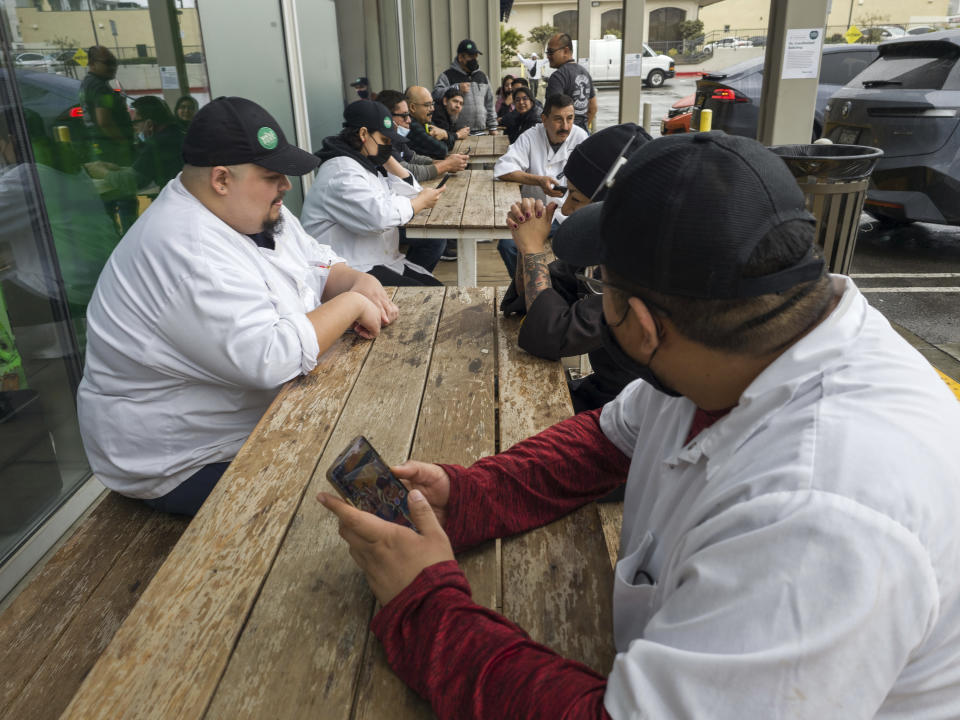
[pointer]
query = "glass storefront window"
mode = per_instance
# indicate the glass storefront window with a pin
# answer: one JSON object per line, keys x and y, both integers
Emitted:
{"x": 95, "y": 97}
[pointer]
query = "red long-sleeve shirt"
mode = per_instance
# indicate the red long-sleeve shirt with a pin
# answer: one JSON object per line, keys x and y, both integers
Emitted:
{"x": 469, "y": 662}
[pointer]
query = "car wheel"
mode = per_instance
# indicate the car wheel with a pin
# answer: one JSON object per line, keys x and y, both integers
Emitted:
{"x": 655, "y": 78}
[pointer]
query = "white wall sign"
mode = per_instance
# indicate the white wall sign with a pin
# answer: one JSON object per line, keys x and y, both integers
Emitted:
{"x": 632, "y": 66}
{"x": 801, "y": 53}
{"x": 168, "y": 77}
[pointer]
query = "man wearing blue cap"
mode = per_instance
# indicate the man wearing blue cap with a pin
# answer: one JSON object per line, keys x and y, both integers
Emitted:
{"x": 789, "y": 543}
{"x": 213, "y": 299}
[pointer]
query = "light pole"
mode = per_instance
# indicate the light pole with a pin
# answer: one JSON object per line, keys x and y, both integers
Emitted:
{"x": 96, "y": 41}
{"x": 850, "y": 15}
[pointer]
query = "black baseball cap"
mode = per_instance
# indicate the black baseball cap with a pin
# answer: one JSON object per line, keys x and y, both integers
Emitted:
{"x": 373, "y": 116}
{"x": 469, "y": 47}
{"x": 360, "y": 81}
{"x": 684, "y": 215}
{"x": 591, "y": 160}
{"x": 234, "y": 130}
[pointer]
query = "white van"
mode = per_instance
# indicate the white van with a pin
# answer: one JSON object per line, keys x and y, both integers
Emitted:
{"x": 605, "y": 62}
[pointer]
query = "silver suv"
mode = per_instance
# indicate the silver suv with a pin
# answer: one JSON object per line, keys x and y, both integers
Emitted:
{"x": 907, "y": 103}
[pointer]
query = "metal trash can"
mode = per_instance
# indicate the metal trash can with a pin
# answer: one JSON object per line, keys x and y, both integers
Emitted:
{"x": 834, "y": 179}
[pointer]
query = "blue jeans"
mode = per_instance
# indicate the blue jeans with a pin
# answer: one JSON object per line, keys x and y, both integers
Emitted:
{"x": 187, "y": 497}
{"x": 508, "y": 252}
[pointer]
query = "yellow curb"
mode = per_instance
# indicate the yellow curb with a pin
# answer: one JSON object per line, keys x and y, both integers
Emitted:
{"x": 951, "y": 383}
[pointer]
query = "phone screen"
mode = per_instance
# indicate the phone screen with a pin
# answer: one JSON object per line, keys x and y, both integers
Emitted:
{"x": 363, "y": 479}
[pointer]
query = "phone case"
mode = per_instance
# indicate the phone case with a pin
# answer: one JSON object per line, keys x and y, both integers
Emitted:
{"x": 363, "y": 479}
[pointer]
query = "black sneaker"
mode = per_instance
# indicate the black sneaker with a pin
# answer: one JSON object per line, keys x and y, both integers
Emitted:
{"x": 450, "y": 251}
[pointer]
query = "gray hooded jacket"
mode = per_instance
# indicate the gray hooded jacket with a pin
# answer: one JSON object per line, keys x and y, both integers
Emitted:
{"x": 478, "y": 112}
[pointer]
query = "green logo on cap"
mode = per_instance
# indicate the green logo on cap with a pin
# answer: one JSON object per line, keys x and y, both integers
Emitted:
{"x": 387, "y": 124}
{"x": 267, "y": 138}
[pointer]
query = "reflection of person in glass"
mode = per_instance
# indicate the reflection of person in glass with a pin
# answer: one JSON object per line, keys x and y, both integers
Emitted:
{"x": 108, "y": 125}
{"x": 185, "y": 109}
{"x": 157, "y": 157}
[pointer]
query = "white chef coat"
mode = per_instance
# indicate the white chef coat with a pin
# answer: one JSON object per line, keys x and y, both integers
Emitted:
{"x": 357, "y": 213}
{"x": 191, "y": 331}
{"x": 531, "y": 153}
{"x": 801, "y": 557}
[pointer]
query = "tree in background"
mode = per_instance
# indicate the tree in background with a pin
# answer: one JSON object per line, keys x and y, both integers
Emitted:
{"x": 541, "y": 34}
{"x": 510, "y": 40}
{"x": 869, "y": 25}
{"x": 692, "y": 33}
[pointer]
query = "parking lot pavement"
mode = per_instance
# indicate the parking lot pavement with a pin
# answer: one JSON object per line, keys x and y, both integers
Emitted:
{"x": 608, "y": 102}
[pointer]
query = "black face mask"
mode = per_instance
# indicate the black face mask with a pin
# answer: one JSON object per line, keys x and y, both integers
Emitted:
{"x": 384, "y": 153}
{"x": 628, "y": 364}
{"x": 364, "y": 94}
{"x": 472, "y": 65}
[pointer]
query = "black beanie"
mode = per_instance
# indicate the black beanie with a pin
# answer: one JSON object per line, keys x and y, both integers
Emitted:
{"x": 590, "y": 161}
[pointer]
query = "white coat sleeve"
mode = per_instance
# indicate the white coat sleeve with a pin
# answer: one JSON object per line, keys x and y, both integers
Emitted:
{"x": 517, "y": 157}
{"x": 362, "y": 204}
{"x": 318, "y": 257}
{"x": 220, "y": 326}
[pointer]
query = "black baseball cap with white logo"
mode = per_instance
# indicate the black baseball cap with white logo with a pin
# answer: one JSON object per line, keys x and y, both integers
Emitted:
{"x": 234, "y": 131}
{"x": 469, "y": 47}
{"x": 360, "y": 81}
{"x": 373, "y": 116}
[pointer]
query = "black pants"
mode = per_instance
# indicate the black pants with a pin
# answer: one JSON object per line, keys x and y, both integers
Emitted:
{"x": 388, "y": 277}
{"x": 187, "y": 497}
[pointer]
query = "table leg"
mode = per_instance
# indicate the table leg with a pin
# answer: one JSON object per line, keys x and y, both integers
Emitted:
{"x": 466, "y": 262}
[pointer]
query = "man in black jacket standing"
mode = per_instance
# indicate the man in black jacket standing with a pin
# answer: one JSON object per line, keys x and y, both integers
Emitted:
{"x": 478, "y": 107}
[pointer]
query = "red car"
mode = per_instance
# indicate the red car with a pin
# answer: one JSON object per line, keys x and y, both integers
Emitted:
{"x": 678, "y": 117}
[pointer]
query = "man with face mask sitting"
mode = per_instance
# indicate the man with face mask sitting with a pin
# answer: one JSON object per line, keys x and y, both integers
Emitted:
{"x": 356, "y": 206}
{"x": 790, "y": 541}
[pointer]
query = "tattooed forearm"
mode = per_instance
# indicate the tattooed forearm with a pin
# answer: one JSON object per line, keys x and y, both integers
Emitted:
{"x": 536, "y": 275}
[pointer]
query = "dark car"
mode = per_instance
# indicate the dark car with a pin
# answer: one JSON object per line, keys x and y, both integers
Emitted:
{"x": 54, "y": 98}
{"x": 734, "y": 94}
{"x": 907, "y": 104}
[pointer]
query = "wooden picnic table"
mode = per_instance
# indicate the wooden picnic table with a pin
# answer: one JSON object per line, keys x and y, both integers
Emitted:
{"x": 259, "y": 611}
{"x": 473, "y": 206}
{"x": 483, "y": 148}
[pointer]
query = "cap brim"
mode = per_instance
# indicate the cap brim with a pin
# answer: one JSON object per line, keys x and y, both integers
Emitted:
{"x": 290, "y": 160}
{"x": 392, "y": 133}
{"x": 577, "y": 240}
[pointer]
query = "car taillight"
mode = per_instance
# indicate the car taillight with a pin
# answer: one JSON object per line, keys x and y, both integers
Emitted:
{"x": 727, "y": 95}
{"x": 75, "y": 112}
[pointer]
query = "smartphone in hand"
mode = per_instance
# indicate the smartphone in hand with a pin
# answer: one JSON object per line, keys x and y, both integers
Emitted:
{"x": 443, "y": 181}
{"x": 364, "y": 480}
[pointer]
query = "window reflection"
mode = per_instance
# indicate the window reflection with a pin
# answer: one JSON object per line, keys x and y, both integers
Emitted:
{"x": 94, "y": 106}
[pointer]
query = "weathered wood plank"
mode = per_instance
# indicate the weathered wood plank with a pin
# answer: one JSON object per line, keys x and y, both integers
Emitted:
{"x": 91, "y": 629}
{"x": 478, "y": 211}
{"x": 485, "y": 145}
{"x": 557, "y": 580}
{"x": 501, "y": 144}
{"x": 34, "y": 622}
{"x": 611, "y": 518}
{"x": 169, "y": 655}
{"x": 449, "y": 208}
{"x": 300, "y": 651}
{"x": 505, "y": 194}
{"x": 457, "y": 425}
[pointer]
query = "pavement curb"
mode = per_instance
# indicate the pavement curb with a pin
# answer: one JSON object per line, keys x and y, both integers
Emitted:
{"x": 943, "y": 362}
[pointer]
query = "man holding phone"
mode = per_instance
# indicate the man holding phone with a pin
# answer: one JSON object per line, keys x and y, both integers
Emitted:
{"x": 789, "y": 543}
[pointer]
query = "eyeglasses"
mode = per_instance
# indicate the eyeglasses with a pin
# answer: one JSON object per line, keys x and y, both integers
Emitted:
{"x": 551, "y": 51}
{"x": 590, "y": 277}
{"x": 405, "y": 116}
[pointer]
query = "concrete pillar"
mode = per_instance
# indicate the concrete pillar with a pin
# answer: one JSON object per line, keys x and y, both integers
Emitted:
{"x": 166, "y": 36}
{"x": 786, "y": 111}
{"x": 631, "y": 88}
{"x": 583, "y": 32}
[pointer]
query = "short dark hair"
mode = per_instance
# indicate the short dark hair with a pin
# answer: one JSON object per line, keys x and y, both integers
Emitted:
{"x": 566, "y": 41}
{"x": 557, "y": 101}
{"x": 747, "y": 326}
{"x": 523, "y": 81}
{"x": 351, "y": 136}
{"x": 150, "y": 107}
{"x": 452, "y": 92}
{"x": 391, "y": 98}
{"x": 99, "y": 53}
{"x": 187, "y": 100}
{"x": 524, "y": 91}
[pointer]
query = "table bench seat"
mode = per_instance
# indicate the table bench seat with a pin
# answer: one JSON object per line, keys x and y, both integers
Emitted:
{"x": 55, "y": 629}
